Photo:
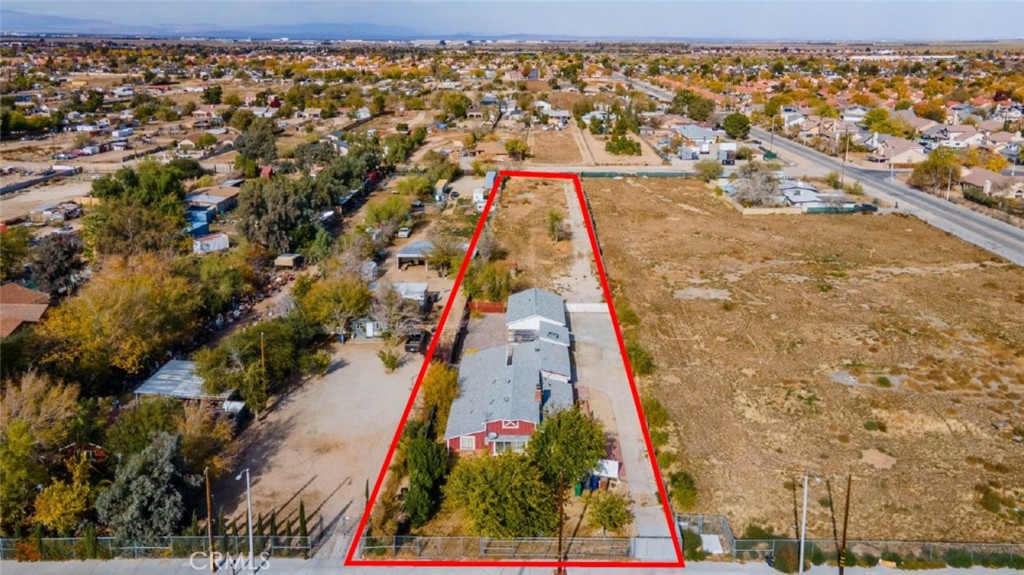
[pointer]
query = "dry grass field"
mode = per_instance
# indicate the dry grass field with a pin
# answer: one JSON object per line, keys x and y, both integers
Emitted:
{"x": 871, "y": 345}
{"x": 554, "y": 147}
{"x": 521, "y": 227}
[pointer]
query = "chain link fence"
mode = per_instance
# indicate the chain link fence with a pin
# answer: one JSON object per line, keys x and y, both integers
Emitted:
{"x": 904, "y": 554}
{"x": 412, "y": 547}
{"x": 80, "y": 548}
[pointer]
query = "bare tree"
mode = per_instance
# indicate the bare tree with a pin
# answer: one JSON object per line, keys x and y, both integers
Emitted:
{"x": 757, "y": 185}
{"x": 397, "y": 314}
{"x": 487, "y": 246}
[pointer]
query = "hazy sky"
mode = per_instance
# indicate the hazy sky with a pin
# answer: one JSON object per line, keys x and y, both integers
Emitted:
{"x": 751, "y": 19}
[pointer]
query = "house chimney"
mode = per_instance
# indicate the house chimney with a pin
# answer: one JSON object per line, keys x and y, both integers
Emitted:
{"x": 538, "y": 394}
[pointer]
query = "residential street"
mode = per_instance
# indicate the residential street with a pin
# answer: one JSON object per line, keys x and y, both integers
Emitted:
{"x": 987, "y": 233}
{"x": 332, "y": 566}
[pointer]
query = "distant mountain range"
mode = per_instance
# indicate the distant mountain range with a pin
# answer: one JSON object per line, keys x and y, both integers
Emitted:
{"x": 19, "y": 22}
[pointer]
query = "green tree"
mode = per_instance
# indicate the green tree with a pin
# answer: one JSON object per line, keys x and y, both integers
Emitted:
{"x": 701, "y": 109}
{"x": 566, "y": 447}
{"x": 258, "y": 142}
{"x": 427, "y": 462}
{"x": 206, "y": 440}
{"x": 455, "y": 104}
{"x": 212, "y": 95}
{"x": 708, "y": 170}
{"x": 609, "y": 512}
{"x": 940, "y": 170}
{"x": 517, "y": 148}
{"x": 145, "y": 502}
{"x": 270, "y": 212}
{"x": 124, "y": 319}
{"x": 415, "y": 186}
{"x": 440, "y": 388}
{"x": 22, "y": 471}
{"x": 389, "y": 211}
{"x": 334, "y": 303}
{"x": 55, "y": 262}
{"x": 47, "y": 407}
{"x": 503, "y": 496}
{"x": 736, "y": 125}
{"x": 61, "y": 506}
{"x": 135, "y": 427}
{"x": 242, "y": 119}
{"x": 14, "y": 251}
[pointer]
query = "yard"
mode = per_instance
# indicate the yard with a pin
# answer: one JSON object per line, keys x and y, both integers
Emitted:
{"x": 521, "y": 227}
{"x": 554, "y": 147}
{"x": 872, "y": 345}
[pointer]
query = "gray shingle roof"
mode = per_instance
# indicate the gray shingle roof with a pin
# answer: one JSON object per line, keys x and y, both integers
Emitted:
{"x": 535, "y": 302}
{"x": 492, "y": 390}
{"x": 542, "y": 356}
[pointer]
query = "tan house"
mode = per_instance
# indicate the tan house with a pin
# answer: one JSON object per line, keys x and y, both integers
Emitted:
{"x": 20, "y": 305}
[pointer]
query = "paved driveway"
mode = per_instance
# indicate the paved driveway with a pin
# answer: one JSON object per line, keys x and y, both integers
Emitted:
{"x": 599, "y": 368}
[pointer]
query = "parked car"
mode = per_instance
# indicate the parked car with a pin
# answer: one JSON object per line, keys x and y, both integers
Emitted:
{"x": 404, "y": 232}
{"x": 414, "y": 342}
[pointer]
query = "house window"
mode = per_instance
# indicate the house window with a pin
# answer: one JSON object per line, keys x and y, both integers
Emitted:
{"x": 467, "y": 443}
{"x": 510, "y": 424}
{"x": 516, "y": 445}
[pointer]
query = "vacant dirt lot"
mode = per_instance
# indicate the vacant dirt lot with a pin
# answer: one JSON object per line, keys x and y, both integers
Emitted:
{"x": 554, "y": 147}
{"x": 647, "y": 157}
{"x": 874, "y": 345}
{"x": 521, "y": 227}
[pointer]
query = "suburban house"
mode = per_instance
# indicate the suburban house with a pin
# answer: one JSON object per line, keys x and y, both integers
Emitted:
{"x": 222, "y": 198}
{"x": 20, "y": 306}
{"x": 993, "y": 184}
{"x": 854, "y": 114}
{"x": 918, "y": 123}
{"x": 887, "y": 148}
{"x": 505, "y": 391}
{"x": 801, "y": 195}
{"x": 696, "y": 134}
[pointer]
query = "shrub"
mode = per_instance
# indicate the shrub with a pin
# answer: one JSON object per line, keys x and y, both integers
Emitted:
{"x": 683, "y": 490}
{"x": 851, "y": 558}
{"x": 869, "y": 560}
{"x": 692, "y": 546}
{"x": 884, "y": 381}
{"x": 666, "y": 459}
{"x": 875, "y": 426}
{"x": 639, "y": 358}
{"x": 659, "y": 438}
{"x": 657, "y": 415}
{"x": 817, "y": 555}
{"x": 755, "y": 531}
{"x": 389, "y": 359}
{"x": 787, "y": 557}
{"x": 893, "y": 557}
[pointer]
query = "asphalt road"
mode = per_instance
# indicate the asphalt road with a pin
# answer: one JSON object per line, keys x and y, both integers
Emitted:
{"x": 987, "y": 233}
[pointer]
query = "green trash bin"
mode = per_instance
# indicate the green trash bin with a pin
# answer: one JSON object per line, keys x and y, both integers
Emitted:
{"x": 577, "y": 489}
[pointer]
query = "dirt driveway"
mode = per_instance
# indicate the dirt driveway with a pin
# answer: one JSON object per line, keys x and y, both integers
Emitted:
{"x": 324, "y": 441}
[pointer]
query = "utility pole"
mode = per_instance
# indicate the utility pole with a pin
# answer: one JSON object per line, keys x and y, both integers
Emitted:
{"x": 846, "y": 523}
{"x": 803, "y": 527}
{"x": 949, "y": 182}
{"x": 842, "y": 176}
{"x": 560, "y": 570}
{"x": 209, "y": 516}
{"x": 771, "y": 144}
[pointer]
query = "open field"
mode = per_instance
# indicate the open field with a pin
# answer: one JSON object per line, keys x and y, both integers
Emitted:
{"x": 874, "y": 345}
{"x": 554, "y": 147}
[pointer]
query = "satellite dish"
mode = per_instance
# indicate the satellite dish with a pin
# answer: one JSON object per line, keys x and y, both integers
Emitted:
{"x": 492, "y": 435}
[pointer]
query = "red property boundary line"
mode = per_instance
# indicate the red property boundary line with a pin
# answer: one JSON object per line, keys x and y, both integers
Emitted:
{"x": 351, "y": 560}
